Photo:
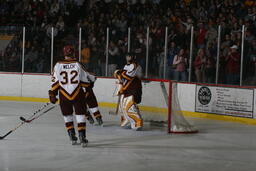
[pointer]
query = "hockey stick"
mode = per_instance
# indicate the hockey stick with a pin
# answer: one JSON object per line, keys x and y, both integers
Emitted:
{"x": 30, "y": 120}
{"x": 2, "y": 137}
{"x": 12, "y": 130}
{"x": 117, "y": 107}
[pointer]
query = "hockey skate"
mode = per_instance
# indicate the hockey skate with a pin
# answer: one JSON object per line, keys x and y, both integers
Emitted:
{"x": 138, "y": 129}
{"x": 72, "y": 136}
{"x": 83, "y": 140}
{"x": 90, "y": 118}
{"x": 99, "y": 120}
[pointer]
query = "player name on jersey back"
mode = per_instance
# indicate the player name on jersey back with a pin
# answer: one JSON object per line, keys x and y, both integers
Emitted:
{"x": 69, "y": 66}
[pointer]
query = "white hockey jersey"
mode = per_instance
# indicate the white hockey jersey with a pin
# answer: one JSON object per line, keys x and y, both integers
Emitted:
{"x": 131, "y": 76}
{"x": 132, "y": 70}
{"x": 69, "y": 77}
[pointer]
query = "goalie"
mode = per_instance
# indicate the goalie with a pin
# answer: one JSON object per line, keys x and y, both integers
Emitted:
{"x": 130, "y": 92}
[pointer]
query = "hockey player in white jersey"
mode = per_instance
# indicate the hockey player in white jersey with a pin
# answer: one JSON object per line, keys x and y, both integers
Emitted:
{"x": 131, "y": 91}
{"x": 69, "y": 80}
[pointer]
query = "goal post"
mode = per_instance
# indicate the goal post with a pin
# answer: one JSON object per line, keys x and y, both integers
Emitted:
{"x": 161, "y": 104}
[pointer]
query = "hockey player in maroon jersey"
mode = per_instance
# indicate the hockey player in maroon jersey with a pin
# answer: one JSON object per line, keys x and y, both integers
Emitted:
{"x": 69, "y": 80}
{"x": 131, "y": 91}
{"x": 93, "y": 105}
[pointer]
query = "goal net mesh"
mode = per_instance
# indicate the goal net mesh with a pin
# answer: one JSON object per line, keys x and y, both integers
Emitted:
{"x": 177, "y": 122}
{"x": 161, "y": 105}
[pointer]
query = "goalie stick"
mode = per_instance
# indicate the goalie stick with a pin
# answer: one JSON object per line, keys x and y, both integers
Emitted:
{"x": 117, "y": 107}
{"x": 20, "y": 124}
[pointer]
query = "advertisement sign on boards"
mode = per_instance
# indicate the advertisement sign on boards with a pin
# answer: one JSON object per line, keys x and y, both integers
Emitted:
{"x": 225, "y": 101}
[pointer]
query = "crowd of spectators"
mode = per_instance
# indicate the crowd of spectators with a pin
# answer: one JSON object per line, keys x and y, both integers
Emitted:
{"x": 38, "y": 16}
{"x": 67, "y": 16}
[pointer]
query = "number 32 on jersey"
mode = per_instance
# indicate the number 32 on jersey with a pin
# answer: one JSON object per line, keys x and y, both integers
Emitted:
{"x": 70, "y": 77}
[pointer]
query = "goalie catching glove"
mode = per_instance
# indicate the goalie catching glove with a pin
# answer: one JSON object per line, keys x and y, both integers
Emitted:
{"x": 118, "y": 75}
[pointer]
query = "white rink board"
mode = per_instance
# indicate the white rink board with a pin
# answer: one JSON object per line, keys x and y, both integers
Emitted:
{"x": 10, "y": 85}
{"x": 186, "y": 94}
{"x": 35, "y": 86}
{"x": 38, "y": 86}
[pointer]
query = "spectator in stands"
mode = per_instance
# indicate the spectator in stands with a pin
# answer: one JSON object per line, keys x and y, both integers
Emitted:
{"x": 54, "y": 9}
{"x": 201, "y": 35}
{"x": 249, "y": 37}
{"x": 60, "y": 24}
{"x": 123, "y": 49}
{"x": 42, "y": 64}
{"x": 200, "y": 66}
{"x": 96, "y": 54}
{"x": 160, "y": 64}
{"x": 225, "y": 45}
{"x": 252, "y": 64}
{"x": 13, "y": 63}
{"x": 173, "y": 50}
{"x": 210, "y": 69}
{"x": 177, "y": 15}
{"x": 211, "y": 35}
{"x": 180, "y": 62}
{"x": 253, "y": 60}
{"x": 85, "y": 53}
{"x": 232, "y": 66}
{"x": 139, "y": 49}
{"x": 113, "y": 58}
{"x": 30, "y": 60}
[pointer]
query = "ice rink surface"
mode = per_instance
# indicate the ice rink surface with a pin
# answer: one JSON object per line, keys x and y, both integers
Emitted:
{"x": 43, "y": 145}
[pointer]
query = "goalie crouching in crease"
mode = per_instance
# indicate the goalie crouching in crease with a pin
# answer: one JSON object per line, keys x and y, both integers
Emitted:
{"x": 130, "y": 90}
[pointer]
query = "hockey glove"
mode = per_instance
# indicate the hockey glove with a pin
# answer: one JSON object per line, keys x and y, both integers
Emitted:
{"x": 52, "y": 97}
{"x": 91, "y": 85}
{"x": 117, "y": 74}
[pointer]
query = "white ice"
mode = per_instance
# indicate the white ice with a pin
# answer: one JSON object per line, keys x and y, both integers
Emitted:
{"x": 44, "y": 145}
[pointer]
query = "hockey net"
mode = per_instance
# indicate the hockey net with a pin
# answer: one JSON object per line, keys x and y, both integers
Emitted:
{"x": 161, "y": 105}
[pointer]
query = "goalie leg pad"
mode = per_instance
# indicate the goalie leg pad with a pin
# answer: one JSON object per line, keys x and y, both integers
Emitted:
{"x": 131, "y": 111}
{"x": 125, "y": 123}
